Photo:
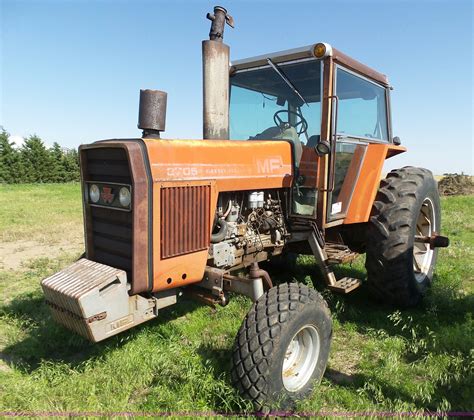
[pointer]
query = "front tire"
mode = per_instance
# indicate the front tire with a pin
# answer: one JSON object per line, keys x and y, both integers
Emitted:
{"x": 407, "y": 204}
{"x": 282, "y": 347}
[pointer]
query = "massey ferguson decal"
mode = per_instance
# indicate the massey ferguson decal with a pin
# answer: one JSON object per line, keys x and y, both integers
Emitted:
{"x": 267, "y": 167}
{"x": 107, "y": 195}
{"x": 270, "y": 165}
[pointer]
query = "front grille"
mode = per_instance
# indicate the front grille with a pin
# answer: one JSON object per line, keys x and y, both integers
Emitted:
{"x": 112, "y": 237}
{"x": 184, "y": 219}
{"x": 108, "y": 165}
{"x": 111, "y": 229}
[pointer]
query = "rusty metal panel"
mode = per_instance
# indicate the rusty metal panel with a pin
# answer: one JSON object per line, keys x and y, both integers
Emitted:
{"x": 120, "y": 240}
{"x": 185, "y": 215}
{"x": 215, "y": 74}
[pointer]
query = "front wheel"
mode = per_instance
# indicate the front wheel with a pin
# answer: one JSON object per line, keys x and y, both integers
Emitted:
{"x": 282, "y": 347}
{"x": 407, "y": 206}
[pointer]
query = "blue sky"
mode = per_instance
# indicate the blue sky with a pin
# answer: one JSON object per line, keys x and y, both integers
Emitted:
{"x": 71, "y": 70}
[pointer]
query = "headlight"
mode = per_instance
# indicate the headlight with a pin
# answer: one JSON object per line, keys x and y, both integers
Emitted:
{"x": 125, "y": 197}
{"x": 94, "y": 193}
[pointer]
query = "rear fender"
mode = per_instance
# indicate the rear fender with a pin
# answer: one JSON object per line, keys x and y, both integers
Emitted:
{"x": 368, "y": 181}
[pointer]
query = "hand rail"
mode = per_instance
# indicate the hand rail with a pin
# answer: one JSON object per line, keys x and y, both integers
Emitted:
{"x": 333, "y": 140}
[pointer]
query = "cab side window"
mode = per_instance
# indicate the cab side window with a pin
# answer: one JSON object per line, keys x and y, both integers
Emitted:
{"x": 362, "y": 109}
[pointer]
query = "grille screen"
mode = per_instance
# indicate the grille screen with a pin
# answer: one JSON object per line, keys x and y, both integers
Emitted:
{"x": 111, "y": 229}
{"x": 108, "y": 165}
{"x": 184, "y": 220}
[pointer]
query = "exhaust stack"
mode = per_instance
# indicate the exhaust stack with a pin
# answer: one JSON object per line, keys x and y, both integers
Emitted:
{"x": 215, "y": 71}
{"x": 152, "y": 112}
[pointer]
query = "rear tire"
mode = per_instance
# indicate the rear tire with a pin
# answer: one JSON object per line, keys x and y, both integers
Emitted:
{"x": 282, "y": 347}
{"x": 407, "y": 204}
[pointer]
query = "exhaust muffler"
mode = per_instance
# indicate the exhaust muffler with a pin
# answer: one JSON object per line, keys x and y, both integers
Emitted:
{"x": 215, "y": 73}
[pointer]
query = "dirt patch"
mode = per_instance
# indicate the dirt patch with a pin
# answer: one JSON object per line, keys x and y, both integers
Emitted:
{"x": 344, "y": 359}
{"x": 14, "y": 255}
{"x": 455, "y": 184}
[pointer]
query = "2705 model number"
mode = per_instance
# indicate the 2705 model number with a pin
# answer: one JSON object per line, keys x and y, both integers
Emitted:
{"x": 179, "y": 172}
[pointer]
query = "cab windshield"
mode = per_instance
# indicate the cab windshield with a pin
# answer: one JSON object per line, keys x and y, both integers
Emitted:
{"x": 264, "y": 106}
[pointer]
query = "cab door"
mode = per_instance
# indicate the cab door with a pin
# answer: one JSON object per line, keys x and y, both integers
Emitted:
{"x": 304, "y": 195}
{"x": 359, "y": 118}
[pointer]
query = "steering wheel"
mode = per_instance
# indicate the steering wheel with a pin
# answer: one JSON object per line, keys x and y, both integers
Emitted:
{"x": 302, "y": 123}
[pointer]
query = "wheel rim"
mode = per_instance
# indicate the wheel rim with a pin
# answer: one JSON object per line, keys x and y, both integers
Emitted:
{"x": 300, "y": 358}
{"x": 422, "y": 252}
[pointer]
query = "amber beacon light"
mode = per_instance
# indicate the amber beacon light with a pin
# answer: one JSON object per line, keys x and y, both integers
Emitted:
{"x": 321, "y": 49}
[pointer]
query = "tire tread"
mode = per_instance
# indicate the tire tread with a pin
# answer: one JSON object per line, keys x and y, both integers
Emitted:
{"x": 250, "y": 363}
{"x": 390, "y": 225}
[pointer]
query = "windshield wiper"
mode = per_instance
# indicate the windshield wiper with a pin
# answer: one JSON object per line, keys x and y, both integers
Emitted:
{"x": 286, "y": 80}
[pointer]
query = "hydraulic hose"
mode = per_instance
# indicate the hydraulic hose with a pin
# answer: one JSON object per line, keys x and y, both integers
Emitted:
{"x": 220, "y": 235}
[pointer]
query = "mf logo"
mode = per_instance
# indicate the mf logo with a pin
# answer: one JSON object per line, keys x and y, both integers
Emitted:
{"x": 107, "y": 195}
{"x": 269, "y": 165}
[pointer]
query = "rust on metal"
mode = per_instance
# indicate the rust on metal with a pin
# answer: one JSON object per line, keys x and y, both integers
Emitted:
{"x": 152, "y": 112}
{"x": 345, "y": 285}
{"x": 256, "y": 272}
{"x": 357, "y": 66}
{"x": 215, "y": 74}
{"x": 97, "y": 317}
{"x": 219, "y": 19}
{"x": 322, "y": 175}
{"x": 201, "y": 296}
{"x": 339, "y": 254}
{"x": 434, "y": 241}
{"x": 184, "y": 219}
{"x": 140, "y": 261}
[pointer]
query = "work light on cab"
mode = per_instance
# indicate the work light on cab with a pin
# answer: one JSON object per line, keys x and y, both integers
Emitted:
{"x": 323, "y": 148}
{"x": 125, "y": 197}
{"x": 94, "y": 193}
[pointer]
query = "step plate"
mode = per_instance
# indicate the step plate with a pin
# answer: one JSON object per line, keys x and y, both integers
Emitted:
{"x": 345, "y": 285}
{"x": 338, "y": 254}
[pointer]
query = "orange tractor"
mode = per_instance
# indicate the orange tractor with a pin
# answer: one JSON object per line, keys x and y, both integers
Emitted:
{"x": 165, "y": 217}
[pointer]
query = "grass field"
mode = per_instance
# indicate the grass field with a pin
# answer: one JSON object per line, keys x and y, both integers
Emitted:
{"x": 381, "y": 359}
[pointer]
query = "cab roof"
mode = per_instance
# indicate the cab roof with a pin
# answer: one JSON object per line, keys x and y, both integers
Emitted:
{"x": 308, "y": 52}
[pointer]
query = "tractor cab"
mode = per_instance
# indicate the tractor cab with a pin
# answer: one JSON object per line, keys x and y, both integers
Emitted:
{"x": 278, "y": 102}
{"x": 329, "y": 106}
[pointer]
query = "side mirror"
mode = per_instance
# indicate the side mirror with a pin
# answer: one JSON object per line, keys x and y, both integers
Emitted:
{"x": 322, "y": 148}
{"x": 397, "y": 141}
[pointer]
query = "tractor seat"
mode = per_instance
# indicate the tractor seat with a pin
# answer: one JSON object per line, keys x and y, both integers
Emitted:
{"x": 313, "y": 140}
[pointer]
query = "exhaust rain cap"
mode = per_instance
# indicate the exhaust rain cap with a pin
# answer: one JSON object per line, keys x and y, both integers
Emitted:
{"x": 219, "y": 18}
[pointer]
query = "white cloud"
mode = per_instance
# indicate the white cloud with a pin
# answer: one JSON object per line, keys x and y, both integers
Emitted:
{"x": 17, "y": 140}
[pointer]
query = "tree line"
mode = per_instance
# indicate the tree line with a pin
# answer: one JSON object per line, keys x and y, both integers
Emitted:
{"x": 34, "y": 162}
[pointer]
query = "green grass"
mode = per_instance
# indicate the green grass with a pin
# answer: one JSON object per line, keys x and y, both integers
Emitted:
{"x": 41, "y": 211}
{"x": 381, "y": 359}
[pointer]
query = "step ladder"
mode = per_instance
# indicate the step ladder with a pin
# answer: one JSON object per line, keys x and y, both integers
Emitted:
{"x": 327, "y": 255}
{"x": 339, "y": 254}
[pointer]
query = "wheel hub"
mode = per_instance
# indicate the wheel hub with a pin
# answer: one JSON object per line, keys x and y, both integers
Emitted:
{"x": 422, "y": 252}
{"x": 301, "y": 358}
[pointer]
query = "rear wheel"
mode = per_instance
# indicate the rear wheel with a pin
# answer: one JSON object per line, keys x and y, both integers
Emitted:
{"x": 282, "y": 347}
{"x": 407, "y": 205}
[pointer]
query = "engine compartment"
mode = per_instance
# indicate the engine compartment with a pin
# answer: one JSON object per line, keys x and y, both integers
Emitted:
{"x": 249, "y": 226}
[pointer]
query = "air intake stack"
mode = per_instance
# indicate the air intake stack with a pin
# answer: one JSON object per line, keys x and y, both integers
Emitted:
{"x": 152, "y": 112}
{"x": 215, "y": 71}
